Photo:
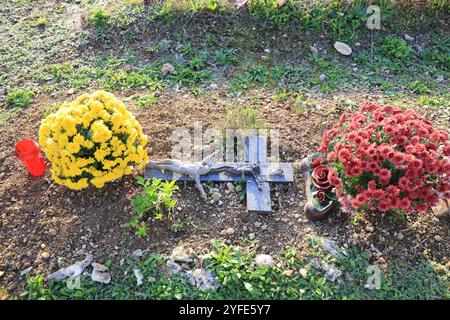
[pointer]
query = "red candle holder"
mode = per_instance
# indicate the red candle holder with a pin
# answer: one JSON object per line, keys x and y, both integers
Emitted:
{"x": 27, "y": 151}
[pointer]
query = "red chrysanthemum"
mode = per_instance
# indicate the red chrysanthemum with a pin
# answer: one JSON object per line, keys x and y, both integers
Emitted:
{"x": 385, "y": 158}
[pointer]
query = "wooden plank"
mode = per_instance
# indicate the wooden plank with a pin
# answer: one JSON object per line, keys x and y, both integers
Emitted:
{"x": 258, "y": 201}
{"x": 270, "y": 172}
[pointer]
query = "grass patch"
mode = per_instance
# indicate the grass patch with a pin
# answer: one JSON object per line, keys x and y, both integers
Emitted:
{"x": 240, "y": 278}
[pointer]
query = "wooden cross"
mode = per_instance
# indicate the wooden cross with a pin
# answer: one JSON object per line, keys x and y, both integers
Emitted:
{"x": 258, "y": 197}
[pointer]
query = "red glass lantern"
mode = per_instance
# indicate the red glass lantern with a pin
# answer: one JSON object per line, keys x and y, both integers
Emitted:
{"x": 27, "y": 151}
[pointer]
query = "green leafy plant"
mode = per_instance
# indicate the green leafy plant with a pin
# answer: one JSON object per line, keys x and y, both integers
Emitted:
{"x": 36, "y": 288}
{"x": 395, "y": 48}
{"x": 212, "y": 5}
{"x": 225, "y": 56}
{"x": 157, "y": 199}
{"x": 242, "y": 118}
{"x": 41, "y": 22}
{"x": 19, "y": 98}
{"x": 146, "y": 100}
{"x": 100, "y": 19}
{"x": 177, "y": 226}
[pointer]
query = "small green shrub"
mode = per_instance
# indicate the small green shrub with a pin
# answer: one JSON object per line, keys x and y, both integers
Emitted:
{"x": 36, "y": 288}
{"x": 100, "y": 19}
{"x": 157, "y": 199}
{"x": 19, "y": 98}
{"x": 395, "y": 48}
{"x": 242, "y": 118}
{"x": 225, "y": 56}
{"x": 146, "y": 100}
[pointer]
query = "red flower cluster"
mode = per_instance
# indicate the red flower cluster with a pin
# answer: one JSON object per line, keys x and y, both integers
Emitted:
{"x": 384, "y": 158}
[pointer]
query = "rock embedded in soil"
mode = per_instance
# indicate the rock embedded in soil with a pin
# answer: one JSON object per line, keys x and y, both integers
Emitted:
{"x": 264, "y": 260}
{"x": 216, "y": 196}
{"x": 409, "y": 38}
{"x": 331, "y": 247}
{"x": 100, "y": 274}
{"x": 288, "y": 273}
{"x": 203, "y": 279}
{"x": 179, "y": 254}
{"x": 303, "y": 272}
{"x": 313, "y": 50}
{"x": 139, "y": 276}
{"x": 167, "y": 68}
{"x": 343, "y": 48}
{"x": 137, "y": 254}
{"x": 331, "y": 272}
{"x": 227, "y": 232}
{"x": 173, "y": 268}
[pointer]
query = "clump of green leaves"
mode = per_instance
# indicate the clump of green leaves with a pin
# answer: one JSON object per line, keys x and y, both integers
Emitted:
{"x": 156, "y": 200}
{"x": 41, "y": 22}
{"x": 146, "y": 100}
{"x": 161, "y": 11}
{"x": 36, "y": 288}
{"x": 177, "y": 226}
{"x": 242, "y": 118}
{"x": 225, "y": 56}
{"x": 100, "y": 19}
{"x": 19, "y": 98}
{"x": 395, "y": 48}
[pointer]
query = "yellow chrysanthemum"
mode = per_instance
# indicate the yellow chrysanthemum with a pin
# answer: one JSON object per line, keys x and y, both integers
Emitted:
{"x": 73, "y": 147}
{"x": 84, "y": 141}
{"x": 100, "y": 131}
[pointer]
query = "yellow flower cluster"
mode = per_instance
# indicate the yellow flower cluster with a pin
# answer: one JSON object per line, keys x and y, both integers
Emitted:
{"x": 92, "y": 140}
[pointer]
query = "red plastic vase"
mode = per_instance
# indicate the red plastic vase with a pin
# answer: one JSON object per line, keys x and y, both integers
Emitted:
{"x": 27, "y": 151}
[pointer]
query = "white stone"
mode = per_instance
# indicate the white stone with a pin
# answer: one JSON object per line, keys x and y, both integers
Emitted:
{"x": 204, "y": 280}
{"x": 331, "y": 272}
{"x": 264, "y": 260}
{"x": 313, "y": 50}
{"x": 409, "y": 38}
{"x": 343, "y": 48}
{"x": 137, "y": 254}
{"x": 180, "y": 255}
{"x": 216, "y": 196}
{"x": 227, "y": 232}
{"x": 139, "y": 276}
{"x": 100, "y": 274}
{"x": 167, "y": 68}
